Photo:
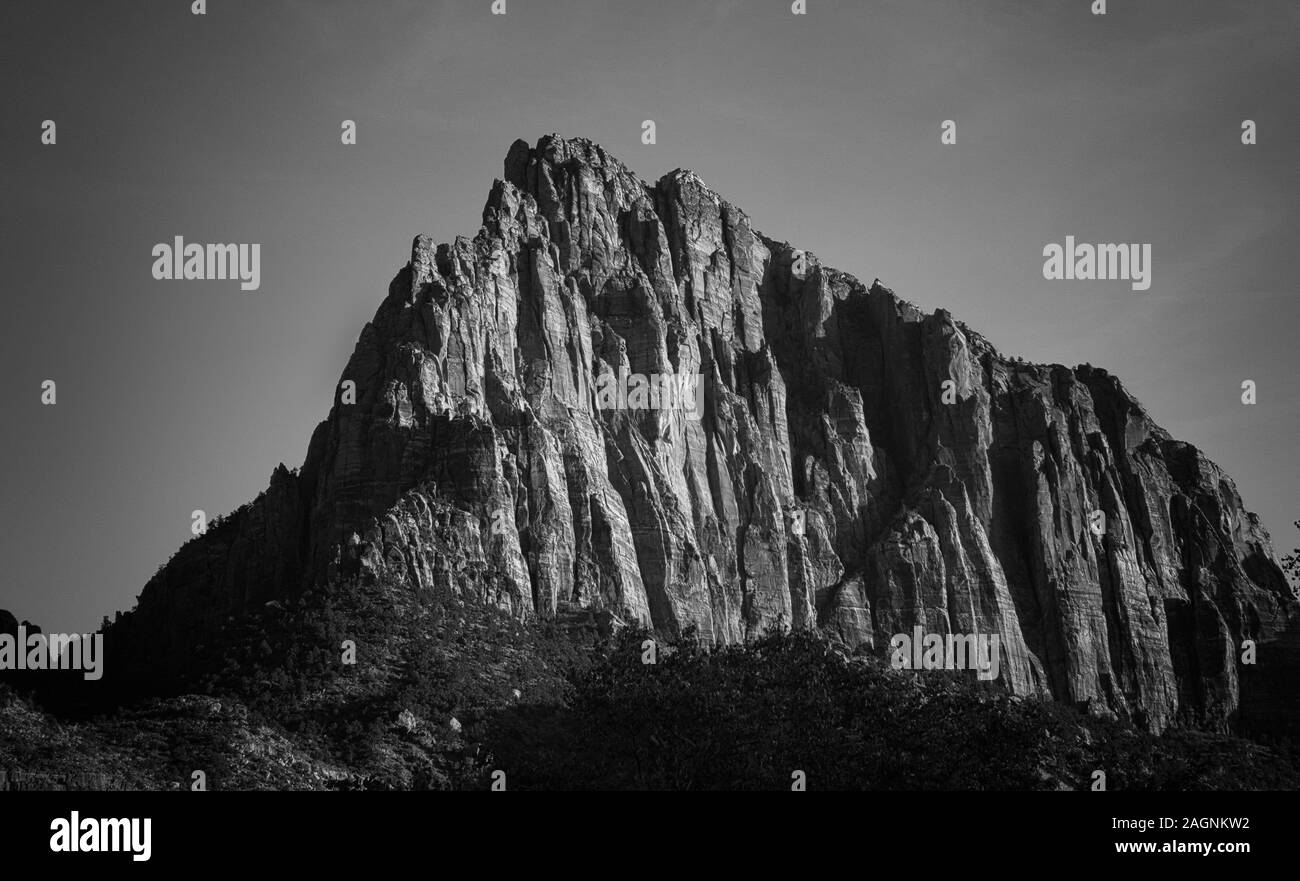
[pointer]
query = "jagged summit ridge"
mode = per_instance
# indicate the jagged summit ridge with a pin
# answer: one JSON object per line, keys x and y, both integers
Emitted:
{"x": 828, "y": 483}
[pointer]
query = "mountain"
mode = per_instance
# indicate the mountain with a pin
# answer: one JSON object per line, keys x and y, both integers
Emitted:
{"x": 856, "y": 466}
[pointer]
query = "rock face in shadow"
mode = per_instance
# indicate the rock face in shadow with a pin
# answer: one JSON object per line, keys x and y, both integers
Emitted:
{"x": 854, "y": 465}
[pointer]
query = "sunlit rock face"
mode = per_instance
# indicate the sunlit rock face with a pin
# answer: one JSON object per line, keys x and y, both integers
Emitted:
{"x": 853, "y": 464}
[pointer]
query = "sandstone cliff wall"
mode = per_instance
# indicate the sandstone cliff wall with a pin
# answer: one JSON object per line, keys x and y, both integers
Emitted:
{"x": 827, "y": 482}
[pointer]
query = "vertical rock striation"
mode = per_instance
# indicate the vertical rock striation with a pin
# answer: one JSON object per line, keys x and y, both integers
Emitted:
{"x": 828, "y": 482}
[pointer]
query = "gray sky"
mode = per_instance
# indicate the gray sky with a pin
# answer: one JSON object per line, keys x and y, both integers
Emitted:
{"x": 824, "y": 128}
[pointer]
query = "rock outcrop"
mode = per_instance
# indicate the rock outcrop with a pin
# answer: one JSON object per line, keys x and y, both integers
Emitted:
{"x": 854, "y": 465}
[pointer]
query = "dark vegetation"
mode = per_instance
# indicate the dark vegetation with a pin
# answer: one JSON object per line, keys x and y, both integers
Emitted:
{"x": 445, "y": 692}
{"x": 748, "y": 717}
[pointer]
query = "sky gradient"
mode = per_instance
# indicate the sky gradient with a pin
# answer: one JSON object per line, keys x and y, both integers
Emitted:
{"x": 824, "y": 128}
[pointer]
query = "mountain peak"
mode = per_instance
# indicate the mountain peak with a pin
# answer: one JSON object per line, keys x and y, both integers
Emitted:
{"x": 838, "y": 460}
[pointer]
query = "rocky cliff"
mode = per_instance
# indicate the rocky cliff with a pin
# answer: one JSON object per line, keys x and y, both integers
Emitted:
{"x": 855, "y": 465}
